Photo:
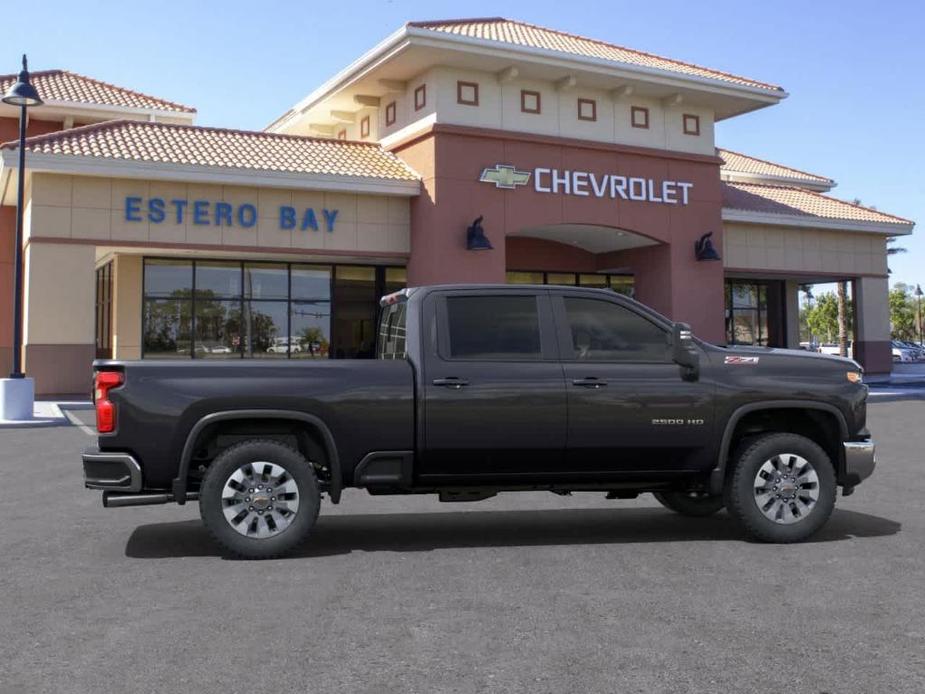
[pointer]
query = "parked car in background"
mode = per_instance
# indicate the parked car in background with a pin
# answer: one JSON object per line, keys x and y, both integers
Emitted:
{"x": 834, "y": 350}
{"x": 281, "y": 345}
{"x": 917, "y": 350}
{"x": 902, "y": 353}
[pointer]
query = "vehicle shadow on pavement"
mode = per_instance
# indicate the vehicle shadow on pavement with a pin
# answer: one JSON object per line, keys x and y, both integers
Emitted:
{"x": 422, "y": 532}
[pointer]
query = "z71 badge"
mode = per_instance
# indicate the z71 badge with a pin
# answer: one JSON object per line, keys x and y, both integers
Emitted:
{"x": 741, "y": 360}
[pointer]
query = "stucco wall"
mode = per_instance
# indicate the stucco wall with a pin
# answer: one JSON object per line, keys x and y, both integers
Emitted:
{"x": 499, "y": 107}
{"x": 754, "y": 247}
{"x": 83, "y": 207}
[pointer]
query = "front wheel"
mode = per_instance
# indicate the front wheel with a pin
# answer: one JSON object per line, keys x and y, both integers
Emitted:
{"x": 694, "y": 504}
{"x": 782, "y": 488}
{"x": 259, "y": 499}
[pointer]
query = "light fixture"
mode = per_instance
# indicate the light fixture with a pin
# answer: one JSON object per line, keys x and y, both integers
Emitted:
{"x": 703, "y": 248}
{"x": 22, "y": 93}
{"x": 475, "y": 237}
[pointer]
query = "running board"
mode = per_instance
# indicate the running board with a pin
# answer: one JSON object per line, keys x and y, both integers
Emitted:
{"x": 119, "y": 500}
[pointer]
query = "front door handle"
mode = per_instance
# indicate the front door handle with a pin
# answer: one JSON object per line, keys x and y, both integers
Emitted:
{"x": 589, "y": 382}
{"x": 451, "y": 382}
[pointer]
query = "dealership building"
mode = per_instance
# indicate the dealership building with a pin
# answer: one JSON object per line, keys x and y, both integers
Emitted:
{"x": 586, "y": 163}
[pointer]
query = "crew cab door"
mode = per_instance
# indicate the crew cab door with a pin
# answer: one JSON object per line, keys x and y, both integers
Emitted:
{"x": 629, "y": 408}
{"x": 495, "y": 407}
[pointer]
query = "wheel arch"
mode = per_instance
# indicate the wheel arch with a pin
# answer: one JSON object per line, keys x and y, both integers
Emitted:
{"x": 315, "y": 423}
{"x": 718, "y": 474}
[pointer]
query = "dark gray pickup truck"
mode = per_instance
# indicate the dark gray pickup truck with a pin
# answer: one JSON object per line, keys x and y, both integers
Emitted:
{"x": 481, "y": 389}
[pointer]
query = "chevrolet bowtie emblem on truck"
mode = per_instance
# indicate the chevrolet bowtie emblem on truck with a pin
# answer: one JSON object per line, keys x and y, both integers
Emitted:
{"x": 505, "y": 176}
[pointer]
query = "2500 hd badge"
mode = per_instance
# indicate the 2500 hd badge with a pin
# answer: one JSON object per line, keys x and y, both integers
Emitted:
{"x": 483, "y": 389}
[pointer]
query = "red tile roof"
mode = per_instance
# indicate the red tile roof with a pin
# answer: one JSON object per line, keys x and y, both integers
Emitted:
{"x": 512, "y": 32}
{"x": 799, "y": 202}
{"x": 742, "y": 163}
{"x": 164, "y": 143}
{"x": 62, "y": 85}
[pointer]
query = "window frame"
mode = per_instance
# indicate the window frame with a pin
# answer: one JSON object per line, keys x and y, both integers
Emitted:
{"x": 422, "y": 90}
{"x": 364, "y": 127}
{"x": 523, "y": 102}
{"x": 564, "y": 333}
{"x": 695, "y": 130}
{"x": 390, "y": 113}
{"x": 548, "y": 340}
{"x": 593, "y": 103}
{"x": 645, "y": 112}
{"x": 460, "y": 85}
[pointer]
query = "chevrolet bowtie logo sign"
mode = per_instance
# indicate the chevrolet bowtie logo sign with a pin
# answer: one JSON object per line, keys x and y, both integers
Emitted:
{"x": 505, "y": 176}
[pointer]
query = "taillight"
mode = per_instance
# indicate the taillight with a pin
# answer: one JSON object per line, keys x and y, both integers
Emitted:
{"x": 105, "y": 410}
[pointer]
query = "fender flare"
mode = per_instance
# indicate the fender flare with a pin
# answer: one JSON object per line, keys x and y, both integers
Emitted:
{"x": 718, "y": 474}
{"x": 179, "y": 484}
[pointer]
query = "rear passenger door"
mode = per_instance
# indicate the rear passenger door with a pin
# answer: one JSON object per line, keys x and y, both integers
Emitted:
{"x": 495, "y": 406}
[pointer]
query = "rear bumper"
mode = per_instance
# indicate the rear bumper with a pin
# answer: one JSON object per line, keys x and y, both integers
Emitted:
{"x": 860, "y": 461}
{"x": 111, "y": 471}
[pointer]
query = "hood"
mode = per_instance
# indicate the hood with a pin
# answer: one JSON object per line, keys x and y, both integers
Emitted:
{"x": 747, "y": 351}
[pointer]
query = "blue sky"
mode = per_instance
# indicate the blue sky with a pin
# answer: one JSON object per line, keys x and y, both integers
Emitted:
{"x": 853, "y": 69}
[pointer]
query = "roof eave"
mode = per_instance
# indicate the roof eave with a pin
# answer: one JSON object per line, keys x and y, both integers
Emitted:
{"x": 731, "y": 214}
{"x": 408, "y": 35}
{"x": 768, "y": 179}
{"x": 669, "y": 77}
{"x": 121, "y": 168}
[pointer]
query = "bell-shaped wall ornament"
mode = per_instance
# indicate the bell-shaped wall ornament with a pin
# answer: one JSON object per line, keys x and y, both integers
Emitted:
{"x": 475, "y": 237}
{"x": 703, "y": 248}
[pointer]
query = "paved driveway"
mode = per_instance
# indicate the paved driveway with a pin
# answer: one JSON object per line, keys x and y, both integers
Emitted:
{"x": 521, "y": 593}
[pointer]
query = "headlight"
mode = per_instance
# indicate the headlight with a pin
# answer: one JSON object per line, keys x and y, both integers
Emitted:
{"x": 854, "y": 376}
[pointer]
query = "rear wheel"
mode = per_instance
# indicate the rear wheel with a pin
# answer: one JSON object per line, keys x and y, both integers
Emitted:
{"x": 259, "y": 499}
{"x": 696, "y": 504}
{"x": 782, "y": 488}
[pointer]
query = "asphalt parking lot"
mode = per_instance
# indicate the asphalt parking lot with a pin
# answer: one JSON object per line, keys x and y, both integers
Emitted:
{"x": 520, "y": 593}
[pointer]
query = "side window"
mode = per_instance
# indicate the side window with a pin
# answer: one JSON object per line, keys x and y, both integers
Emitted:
{"x": 493, "y": 327}
{"x": 392, "y": 343}
{"x": 603, "y": 331}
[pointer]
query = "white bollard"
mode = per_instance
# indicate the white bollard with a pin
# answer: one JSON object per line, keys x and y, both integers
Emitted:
{"x": 17, "y": 399}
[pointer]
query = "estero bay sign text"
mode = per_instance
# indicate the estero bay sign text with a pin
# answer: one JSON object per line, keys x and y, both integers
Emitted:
{"x": 219, "y": 213}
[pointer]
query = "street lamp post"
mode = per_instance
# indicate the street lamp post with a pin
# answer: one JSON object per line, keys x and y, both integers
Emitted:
{"x": 918, "y": 309}
{"x": 17, "y": 398}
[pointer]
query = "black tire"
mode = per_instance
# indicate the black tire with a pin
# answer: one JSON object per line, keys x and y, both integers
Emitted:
{"x": 211, "y": 504}
{"x": 742, "y": 499}
{"x": 694, "y": 504}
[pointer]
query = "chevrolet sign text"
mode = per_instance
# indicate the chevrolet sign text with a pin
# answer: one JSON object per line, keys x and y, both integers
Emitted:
{"x": 587, "y": 184}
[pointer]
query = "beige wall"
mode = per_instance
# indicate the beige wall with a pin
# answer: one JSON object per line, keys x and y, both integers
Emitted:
{"x": 60, "y": 294}
{"x": 83, "y": 207}
{"x": 755, "y": 247}
{"x": 499, "y": 108}
{"x": 126, "y": 306}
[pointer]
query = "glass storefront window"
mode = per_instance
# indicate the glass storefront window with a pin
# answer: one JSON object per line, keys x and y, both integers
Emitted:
{"x": 566, "y": 278}
{"x": 266, "y": 329}
{"x": 311, "y": 329}
{"x": 357, "y": 302}
{"x": 262, "y": 309}
{"x": 167, "y": 328}
{"x": 266, "y": 281}
{"x": 747, "y": 313}
{"x": 168, "y": 278}
{"x": 622, "y": 284}
{"x": 218, "y": 328}
{"x": 525, "y": 278}
{"x": 219, "y": 280}
{"x": 395, "y": 278}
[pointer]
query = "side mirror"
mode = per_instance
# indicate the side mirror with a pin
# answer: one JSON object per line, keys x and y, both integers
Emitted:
{"x": 684, "y": 352}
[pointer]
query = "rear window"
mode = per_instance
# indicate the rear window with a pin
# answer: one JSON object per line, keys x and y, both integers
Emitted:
{"x": 493, "y": 327}
{"x": 392, "y": 342}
